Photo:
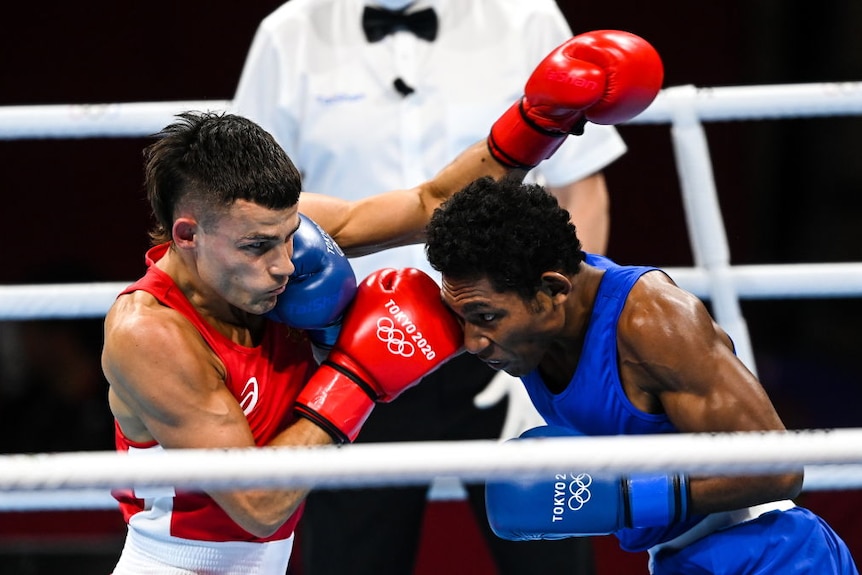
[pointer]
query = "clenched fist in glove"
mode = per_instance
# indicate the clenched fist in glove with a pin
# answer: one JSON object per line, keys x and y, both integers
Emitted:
{"x": 605, "y": 77}
{"x": 395, "y": 333}
{"x": 577, "y": 503}
{"x": 320, "y": 288}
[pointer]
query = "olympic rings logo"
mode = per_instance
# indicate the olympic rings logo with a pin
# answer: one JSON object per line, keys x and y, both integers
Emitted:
{"x": 571, "y": 492}
{"x": 579, "y": 489}
{"x": 394, "y": 338}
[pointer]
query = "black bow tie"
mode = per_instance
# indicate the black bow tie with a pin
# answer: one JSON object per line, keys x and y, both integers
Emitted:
{"x": 379, "y": 22}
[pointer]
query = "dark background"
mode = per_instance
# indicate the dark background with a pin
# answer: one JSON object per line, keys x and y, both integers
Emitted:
{"x": 74, "y": 210}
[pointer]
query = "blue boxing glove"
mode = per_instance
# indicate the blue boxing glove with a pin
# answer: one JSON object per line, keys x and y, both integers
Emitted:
{"x": 320, "y": 288}
{"x": 577, "y": 504}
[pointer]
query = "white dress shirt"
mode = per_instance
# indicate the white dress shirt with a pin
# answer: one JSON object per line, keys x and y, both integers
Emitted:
{"x": 326, "y": 94}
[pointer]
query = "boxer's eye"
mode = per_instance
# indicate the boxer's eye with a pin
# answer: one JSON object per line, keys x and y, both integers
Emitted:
{"x": 254, "y": 246}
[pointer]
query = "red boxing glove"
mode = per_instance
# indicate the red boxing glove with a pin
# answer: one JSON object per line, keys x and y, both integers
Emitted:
{"x": 606, "y": 77}
{"x": 396, "y": 332}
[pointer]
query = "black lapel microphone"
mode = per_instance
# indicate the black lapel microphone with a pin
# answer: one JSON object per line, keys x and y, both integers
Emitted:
{"x": 402, "y": 88}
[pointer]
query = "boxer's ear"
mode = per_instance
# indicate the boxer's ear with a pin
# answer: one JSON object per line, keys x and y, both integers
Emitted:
{"x": 183, "y": 232}
{"x": 556, "y": 286}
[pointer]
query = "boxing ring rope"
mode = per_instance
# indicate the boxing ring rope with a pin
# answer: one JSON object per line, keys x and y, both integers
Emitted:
{"x": 81, "y": 480}
{"x": 710, "y": 104}
{"x": 135, "y": 119}
{"x": 832, "y": 460}
{"x": 762, "y": 281}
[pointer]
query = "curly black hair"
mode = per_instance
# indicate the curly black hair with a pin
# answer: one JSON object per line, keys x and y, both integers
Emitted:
{"x": 505, "y": 231}
{"x": 215, "y": 159}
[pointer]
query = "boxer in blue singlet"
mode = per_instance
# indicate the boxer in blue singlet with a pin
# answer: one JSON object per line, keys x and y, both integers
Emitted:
{"x": 605, "y": 349}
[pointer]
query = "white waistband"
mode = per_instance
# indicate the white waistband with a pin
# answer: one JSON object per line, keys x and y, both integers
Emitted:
{"x": 722, "y": 520}
{"x": 144, "y": 555}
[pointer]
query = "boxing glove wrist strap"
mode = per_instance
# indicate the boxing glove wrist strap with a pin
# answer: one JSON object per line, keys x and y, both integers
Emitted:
{"x": 325, "y": 336}
{"x": 520, "y": 143}
{"x": 577, "y": 128}
{"x": 334, "y": 400}
{"x": 362, "y": 384}
{"x": 655, "y": 500}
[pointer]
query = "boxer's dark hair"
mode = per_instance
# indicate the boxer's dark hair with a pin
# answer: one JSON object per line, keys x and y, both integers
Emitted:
{"x": 214, "y": 159}
{"x": 505, "y": 231}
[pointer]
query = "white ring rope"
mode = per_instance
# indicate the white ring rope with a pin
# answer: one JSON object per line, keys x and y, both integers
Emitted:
{"x": 756, "y": 102}
{"x": 135, "y": 119}
{"x": 58, "y": 301}
{"x": 765, "y": 281}
{"x": 831, "y": 456}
